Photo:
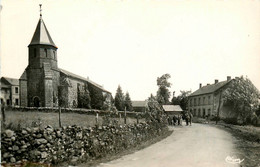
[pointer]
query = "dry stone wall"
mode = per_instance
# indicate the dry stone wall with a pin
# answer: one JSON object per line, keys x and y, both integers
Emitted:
{"x": 74, "y": 143}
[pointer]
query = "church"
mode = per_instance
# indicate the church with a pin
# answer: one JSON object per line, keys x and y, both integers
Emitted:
{"x": 44, "y": 84}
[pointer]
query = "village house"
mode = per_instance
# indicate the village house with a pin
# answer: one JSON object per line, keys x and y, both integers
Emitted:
{"x": 44, "y": 84}
{"x": 139, "y": 106}
{"x": 9, "y": 91}
{"x": 206, "y": 100}
{"x": 172, "y": 109}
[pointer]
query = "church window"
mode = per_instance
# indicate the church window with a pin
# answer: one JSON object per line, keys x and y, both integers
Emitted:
{"x": 16, "y": 101}
{"x": 54, "y": 55}
{"x": 34, "y": 52}
{"x": 45, "y": 51}
{"x": 8, "y": 101}
{"x": 16, "y": 89}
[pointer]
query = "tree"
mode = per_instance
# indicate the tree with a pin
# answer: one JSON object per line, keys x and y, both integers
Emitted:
{"x": 243, "y": 96}
{"x": 97, "y": 98}
{"x": 163, "y": 93}
{"x": 152, "y": 104}
{"x": 108, "y": 102}
{"x": 119, "y": 99}
{"x": 128, "y": 102}
{"x": 84, "y": 97}
{"x": 175, "y": 100}
{"x": 183, "y": 97}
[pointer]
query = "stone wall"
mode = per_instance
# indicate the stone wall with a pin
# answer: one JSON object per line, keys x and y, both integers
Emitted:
{"x": 74, "y": 143}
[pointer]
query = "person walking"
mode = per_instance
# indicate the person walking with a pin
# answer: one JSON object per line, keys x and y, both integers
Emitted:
{"x": 179, "y": 120}
{"x": 174, "y": 120}
{"x": 187, "y": 119}
{"x": 191, "y": 116}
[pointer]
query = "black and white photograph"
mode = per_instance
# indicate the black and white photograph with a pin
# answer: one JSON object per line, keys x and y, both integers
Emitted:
{"x": 130, "y": 83}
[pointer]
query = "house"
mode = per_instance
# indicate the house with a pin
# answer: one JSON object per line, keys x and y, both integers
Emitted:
{"x": 44, "y": 84}
{"x": 9, "y": 91}
{"x": 139, "y": 106}
{"x": 172, "y": 109}
{"x": 206, "y": 100}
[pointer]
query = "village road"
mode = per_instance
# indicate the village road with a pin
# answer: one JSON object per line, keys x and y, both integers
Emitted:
{"x": 197, "y": 145}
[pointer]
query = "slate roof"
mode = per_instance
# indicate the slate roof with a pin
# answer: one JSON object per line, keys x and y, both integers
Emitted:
{"x": 139, "y": 103}
{"x": 210, "y": 88}
{"x": 12, "y": 81}
{"x": 65, "y": 72}
{"x": 168, "y": 108}
{"x": 41, "y": 35}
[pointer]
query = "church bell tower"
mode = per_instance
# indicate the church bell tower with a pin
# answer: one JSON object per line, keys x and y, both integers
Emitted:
{"x": 42, "y": 73}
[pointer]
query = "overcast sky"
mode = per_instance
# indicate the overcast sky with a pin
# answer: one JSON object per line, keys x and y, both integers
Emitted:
{"x": 131, "y": 43}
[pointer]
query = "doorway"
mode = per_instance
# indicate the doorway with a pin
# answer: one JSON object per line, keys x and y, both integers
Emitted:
{"x": 36, "y": 101}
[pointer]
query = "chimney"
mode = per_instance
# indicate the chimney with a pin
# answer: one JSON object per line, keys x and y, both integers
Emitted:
{"x": 200, "y": 85}
{"x": 216, "y": 81}
{"x": 228, "y": 78}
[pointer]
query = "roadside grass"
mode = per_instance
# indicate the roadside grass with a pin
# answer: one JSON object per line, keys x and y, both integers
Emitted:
{"x": 23, "y": 119}
{"x": 247, "y": 142}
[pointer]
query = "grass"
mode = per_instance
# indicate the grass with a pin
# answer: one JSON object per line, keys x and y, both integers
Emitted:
{"x": 15, "y": 119}
{"x": 247, "y": 142}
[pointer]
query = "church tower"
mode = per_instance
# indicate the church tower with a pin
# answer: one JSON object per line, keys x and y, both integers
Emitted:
{"x": 39, "y": 83}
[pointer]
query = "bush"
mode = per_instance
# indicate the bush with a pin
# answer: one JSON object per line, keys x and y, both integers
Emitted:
{"x": 231, "y": 121}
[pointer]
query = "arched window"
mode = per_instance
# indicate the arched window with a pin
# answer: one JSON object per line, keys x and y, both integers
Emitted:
{"x": 45, "y": 51}
{"x": 54, "y": 56}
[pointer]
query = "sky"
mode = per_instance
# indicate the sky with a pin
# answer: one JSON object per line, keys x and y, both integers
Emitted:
{"x": 131, "y": 43}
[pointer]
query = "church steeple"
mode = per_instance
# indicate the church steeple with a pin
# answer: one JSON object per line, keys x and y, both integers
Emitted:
{"x": 42, "y": 49}
{"x": 41, "y": 35}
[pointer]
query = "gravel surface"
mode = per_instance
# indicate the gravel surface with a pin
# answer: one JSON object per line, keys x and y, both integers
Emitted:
{"x": 197, "y": 145}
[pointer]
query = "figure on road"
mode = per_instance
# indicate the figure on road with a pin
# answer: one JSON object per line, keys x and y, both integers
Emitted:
{"x": 191, "y": 116}
{"x": 179, "y": 119}
{"x": 187, "y": 119}
{"x": 175, "y": 119}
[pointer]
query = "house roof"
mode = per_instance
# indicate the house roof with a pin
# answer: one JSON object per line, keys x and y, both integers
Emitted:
{"x": 41, "y": 35}
{"x": 11, "y": 81}
{"x": 210, "y": 88}
{"x": 139, "y": 103}
{"x": 169, "y": 108}
{"x": 65, "y": 72}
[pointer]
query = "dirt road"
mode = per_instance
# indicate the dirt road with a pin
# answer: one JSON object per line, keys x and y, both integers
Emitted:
{"x": 196, "y": 145}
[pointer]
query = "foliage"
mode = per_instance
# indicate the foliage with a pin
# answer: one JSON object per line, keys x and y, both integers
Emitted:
{"x": 108, "y": 102}
{"x": 182, "y": 99}
{"x": 62, "y": 97}
{"x": 84, "y": 97}
{"x": 258, "y": 111}
{"x": 243, "y": 96}
{"x": 128, "y": 102}
{"x": 163, "y": 93}
{"x": 119, "y": 99}
{"x": 154, "y": 107}
{"x": 96, "y": 96}
{"x": 175, "y": 100}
